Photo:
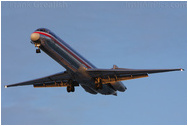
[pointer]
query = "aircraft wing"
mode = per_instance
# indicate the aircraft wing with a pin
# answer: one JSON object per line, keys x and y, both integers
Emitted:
{"x": 125, "y": 72}
{"x": 52, "y": 79}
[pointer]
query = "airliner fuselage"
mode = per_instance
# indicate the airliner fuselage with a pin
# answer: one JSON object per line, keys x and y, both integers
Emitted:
{"x": 75, "y": 64}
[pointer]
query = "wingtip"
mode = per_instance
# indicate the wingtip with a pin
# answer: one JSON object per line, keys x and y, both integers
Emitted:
{"x": 181, "y": 69}
{"x": 5, "y": 86}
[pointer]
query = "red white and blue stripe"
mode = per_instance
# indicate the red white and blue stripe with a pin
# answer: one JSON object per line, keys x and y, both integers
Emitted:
{"x": 66, "y": 47}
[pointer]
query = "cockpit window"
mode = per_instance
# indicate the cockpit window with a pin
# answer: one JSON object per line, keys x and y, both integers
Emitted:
{"x": 46, "y": 30}
{"x": 53, "y": 34}
{"x": 43, "y": 30}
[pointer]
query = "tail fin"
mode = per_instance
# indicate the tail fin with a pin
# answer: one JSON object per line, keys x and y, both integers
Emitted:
{"x": 115, "y": 67}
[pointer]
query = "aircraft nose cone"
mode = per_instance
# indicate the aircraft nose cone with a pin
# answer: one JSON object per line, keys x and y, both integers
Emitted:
{"x": 35, "y": 37}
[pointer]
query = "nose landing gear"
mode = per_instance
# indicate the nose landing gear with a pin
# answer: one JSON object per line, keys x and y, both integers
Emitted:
{"x": 38, "y": 51}
{"x": 37, "y": 45}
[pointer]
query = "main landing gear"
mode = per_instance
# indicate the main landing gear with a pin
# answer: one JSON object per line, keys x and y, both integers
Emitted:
{"x": 98, "y": 85}
{"x": 70, "y": 87}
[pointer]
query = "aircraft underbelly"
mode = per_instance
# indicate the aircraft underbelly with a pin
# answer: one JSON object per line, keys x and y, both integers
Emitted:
{"x": 90, "y": 85}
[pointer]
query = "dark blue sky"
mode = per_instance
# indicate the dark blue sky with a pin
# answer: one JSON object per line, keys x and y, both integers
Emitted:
{"x": 145, "y": 35}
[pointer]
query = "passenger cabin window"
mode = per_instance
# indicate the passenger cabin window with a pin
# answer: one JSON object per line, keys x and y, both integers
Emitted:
{"x": 47, "y": 31}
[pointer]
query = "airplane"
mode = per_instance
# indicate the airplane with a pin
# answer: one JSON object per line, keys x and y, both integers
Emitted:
{"x": 79, "y": 71}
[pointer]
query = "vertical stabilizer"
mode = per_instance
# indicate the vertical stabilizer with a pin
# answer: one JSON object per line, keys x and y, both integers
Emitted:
{"x": 115, "y": 67}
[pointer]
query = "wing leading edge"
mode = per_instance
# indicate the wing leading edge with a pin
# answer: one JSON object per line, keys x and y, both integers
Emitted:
{"x": 128, "y": 71}
{"x": 46, "y": 81}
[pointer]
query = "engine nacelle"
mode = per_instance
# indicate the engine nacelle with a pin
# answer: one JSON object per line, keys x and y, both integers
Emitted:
{"x": 119, "y": 86}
